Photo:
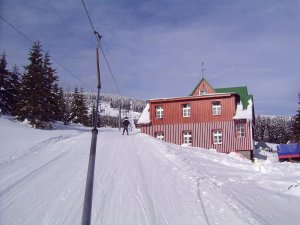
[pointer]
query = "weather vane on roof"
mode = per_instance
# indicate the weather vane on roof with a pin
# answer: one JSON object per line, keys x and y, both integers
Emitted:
{"x": 202, "y": 70}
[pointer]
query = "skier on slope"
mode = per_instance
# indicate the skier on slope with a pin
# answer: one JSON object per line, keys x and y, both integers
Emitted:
{"x": 125, "y": 125}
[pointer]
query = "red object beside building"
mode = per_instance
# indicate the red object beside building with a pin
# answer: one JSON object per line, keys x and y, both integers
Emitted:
{"x": 220, "y": 119}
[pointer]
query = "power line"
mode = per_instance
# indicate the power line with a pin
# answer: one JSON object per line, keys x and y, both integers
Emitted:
{"x": 58, "y": 15}
{"x": 16, "y": 29}
{"x": 29, "y": 40}
{"x": 88, "y": 15}
{"x": 98, "y": 38}
{"x": 111, "y": 73}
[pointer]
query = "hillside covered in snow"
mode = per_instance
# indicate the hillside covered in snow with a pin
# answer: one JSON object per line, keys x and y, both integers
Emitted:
{"x": 110, "y": 103}
{"x": 138, "y": 180}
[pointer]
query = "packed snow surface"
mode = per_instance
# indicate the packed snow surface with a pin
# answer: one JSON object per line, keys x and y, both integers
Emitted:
{"x": 138, "y": 180}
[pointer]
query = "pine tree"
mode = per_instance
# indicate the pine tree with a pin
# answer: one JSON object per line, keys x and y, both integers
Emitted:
{"x": 31, "y": 89}
{"x": 74, "y": 106}
{"x": 63, "y": 111}
{"x": 275, "y": 130}
{"x": 13, "y": 89}
{"x": 257, "y": 133}
{"x": 78, "y": 109}
{"x": 296, "y": 124}
{"x": 67, "y": 110}
{"x": 52, "y": 90}
{"x": 83, "y": 109}
{"x": 4, "y": 74}
{"x": 35, "y": 89}
{"x": 288, "y": 133}
{"x": 61, "y": 106}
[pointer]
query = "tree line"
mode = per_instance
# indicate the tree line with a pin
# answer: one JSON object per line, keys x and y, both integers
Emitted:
{"x": 35, "y": 96}
{"x": 273, "y": 129}
{"x": 296, "y": 124}
{"x": 278, "y": 129}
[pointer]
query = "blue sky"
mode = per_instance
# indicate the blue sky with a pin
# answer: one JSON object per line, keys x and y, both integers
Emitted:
{"x": 155, "y": 48}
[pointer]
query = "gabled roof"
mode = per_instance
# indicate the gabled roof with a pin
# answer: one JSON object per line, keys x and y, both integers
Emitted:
{"x": 202, "y": 80}
{"x": 241, "y": 91}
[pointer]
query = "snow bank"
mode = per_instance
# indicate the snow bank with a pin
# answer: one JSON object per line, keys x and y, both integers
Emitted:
{"x": 145, "y": 117}
{"x": 17, "y": 139}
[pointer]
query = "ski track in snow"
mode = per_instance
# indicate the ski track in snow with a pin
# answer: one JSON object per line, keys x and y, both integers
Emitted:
{"x": 36, "y": 148}
{"x": 211, "y": 197}
{"x": 131, "y": 168}
{"x": 37, "y": 182}
{"x": 121, "y": 167}
{"x": 138, "y": 180}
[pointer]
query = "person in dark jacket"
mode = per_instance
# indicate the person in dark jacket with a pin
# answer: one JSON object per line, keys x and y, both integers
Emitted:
{"x": 125, "y": 125}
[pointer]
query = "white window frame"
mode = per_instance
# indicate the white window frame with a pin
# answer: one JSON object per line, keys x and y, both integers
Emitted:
{"x": 202, "y": 92}
{"x": 217, "y": 137}
{"x": 187, "y": 137}
{"x": 216, "y": 108}
{"x": 186, "y": 110}
{"x": 160, "y": 135}
{"x": 240, "y": 130}
{"x": 159, "y": 111}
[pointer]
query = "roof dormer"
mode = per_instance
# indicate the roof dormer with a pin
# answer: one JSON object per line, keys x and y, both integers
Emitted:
{"x": 202, "y": 88}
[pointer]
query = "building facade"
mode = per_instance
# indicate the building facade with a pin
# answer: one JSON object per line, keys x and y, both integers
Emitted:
{"x": 220, "y": 119}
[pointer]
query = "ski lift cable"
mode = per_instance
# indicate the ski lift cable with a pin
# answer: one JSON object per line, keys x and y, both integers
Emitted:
{"x": 54, "y": 59}
{"x": 59, "y": 16}
{"x": 16, "y": 29}
{"x": 88, "y": 15}
{"x": 98, "y": 38}
{"x": 109, "y": 68}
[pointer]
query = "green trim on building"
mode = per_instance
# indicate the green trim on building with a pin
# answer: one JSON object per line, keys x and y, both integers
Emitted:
{"x": 241, "y": 91}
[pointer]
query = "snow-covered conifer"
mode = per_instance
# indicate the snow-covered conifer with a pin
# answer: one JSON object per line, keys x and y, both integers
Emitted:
{"x": 51, "y": 88}
{"x": 13, "y": 89}
{"x": 36, "y": 89}
{"x": 4, "y": 95}
{"x": 78, "y": 109}
{"x": 296, "y": 124}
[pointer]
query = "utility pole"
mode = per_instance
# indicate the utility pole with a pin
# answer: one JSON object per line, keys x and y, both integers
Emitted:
{"x": 120, "y": 116}
{"x": 88, "y": 197}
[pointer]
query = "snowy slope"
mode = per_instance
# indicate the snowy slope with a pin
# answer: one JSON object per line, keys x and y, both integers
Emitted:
{"x": 138, "y": 180}
{"x": 106, "y": 109}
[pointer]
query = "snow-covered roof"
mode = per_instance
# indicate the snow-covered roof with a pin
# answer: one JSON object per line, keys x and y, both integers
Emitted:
{"x": 244, "y": 113}
{"x": 145, "y": 117}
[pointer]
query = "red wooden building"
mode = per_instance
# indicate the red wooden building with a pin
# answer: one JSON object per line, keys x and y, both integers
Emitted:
{"x": 211, "y": 118}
